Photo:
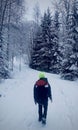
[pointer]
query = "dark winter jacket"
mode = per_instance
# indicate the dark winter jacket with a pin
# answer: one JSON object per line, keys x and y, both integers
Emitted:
{"x": 42, "y": 91}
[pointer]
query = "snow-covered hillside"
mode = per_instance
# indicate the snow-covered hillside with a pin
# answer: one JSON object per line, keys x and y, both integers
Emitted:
{"x": 17, "y": 108}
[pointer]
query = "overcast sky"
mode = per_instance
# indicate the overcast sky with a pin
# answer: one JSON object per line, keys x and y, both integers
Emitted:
{"x": 43, "y": 4}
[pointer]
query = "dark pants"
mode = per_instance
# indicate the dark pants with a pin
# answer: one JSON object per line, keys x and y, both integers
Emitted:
{"x": 42, "y": 110}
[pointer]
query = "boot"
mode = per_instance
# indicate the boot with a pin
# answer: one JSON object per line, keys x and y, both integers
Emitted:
{"x": 43, "y": 120}
{"x": 40, "y": 119}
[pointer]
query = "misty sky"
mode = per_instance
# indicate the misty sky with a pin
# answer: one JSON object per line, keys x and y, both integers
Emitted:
{"x": 43, "y": 4}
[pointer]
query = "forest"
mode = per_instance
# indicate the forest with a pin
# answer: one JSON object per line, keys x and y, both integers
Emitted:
{"x": 47, "y": 43}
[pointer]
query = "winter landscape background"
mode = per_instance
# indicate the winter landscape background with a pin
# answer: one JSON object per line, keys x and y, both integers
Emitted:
{"x": 47, "y": 42}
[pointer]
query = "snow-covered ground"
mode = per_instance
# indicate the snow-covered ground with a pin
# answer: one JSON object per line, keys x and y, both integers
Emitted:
{"x": 17, "y": 108}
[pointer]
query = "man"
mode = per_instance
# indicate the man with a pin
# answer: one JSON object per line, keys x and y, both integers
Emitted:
{"x": 42, "y": 91}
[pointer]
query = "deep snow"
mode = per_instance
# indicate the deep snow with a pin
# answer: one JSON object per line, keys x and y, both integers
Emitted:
{"x": 17, "y": 108}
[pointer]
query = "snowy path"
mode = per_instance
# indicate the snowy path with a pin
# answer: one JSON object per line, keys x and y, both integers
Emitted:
{"x": 18, "y": 111}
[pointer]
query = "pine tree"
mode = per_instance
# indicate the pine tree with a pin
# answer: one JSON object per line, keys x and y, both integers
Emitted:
{"x": 47, "y": 40}
{"x": 70, "y": 64}
{"x": 41, "y": 56}
{"x": 55, "y": 52}
{"x": 36, "y": 52}
{"x": 45, "y": 54}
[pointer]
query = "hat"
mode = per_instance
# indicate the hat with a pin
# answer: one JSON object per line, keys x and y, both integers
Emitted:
{"x": 41, "y": 75}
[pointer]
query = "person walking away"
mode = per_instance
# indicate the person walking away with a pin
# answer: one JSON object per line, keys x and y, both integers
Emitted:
{"x": 42, "y": 91}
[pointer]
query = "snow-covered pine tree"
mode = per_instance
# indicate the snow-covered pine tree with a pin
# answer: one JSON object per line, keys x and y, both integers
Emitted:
{"x": 41, "y": 55}
{"x": 55, "y": 52}
{"x": 37, "y": 51}
{"x": 45, "y": 54}
{"x": 64, "y": 8}
{"x": 74, "y": 30}
{"x": 46, "y": 26}
{"x": 70, "y": 63}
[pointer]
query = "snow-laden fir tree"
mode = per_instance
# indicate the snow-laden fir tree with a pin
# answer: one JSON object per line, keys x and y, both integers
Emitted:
{"x": 70, "y": 62}
{"x": 46, "y": 25}
{"x": 55, "y": 51}
{"x": 37, "y": 51}
{"x": 41, "y": 56}
{"x": 45, "y": 51}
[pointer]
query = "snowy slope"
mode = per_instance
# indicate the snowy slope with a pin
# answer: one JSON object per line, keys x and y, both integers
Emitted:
{"x": 17, "y": 108}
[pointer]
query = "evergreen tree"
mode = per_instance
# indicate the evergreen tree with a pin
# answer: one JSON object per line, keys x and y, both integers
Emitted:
{"x": 41, "y": 56}
{"x": 37, "y": 51}
{"x": 45, "y": 54}
{"x": 55, "y": 52}
{"x": 47, "y": 40}
{"x": 70, "y": 64}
